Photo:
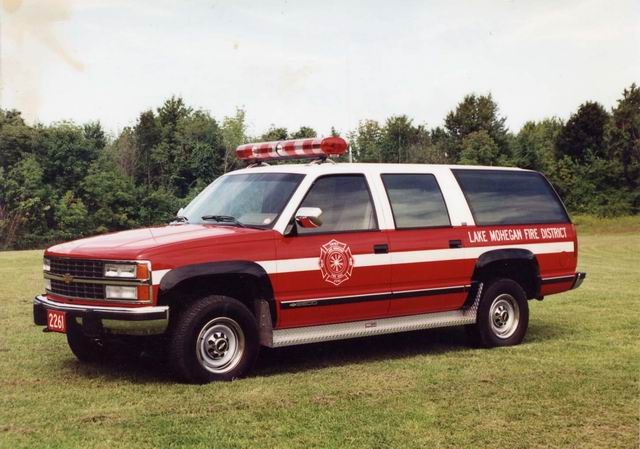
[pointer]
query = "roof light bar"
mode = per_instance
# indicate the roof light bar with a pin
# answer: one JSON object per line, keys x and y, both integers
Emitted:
{"x": 292, "y": 149}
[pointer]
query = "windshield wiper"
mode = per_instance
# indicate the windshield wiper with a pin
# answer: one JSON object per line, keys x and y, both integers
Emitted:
{"x": 180, "y": 219}
{"x": 224, "y": 219}
{"x": 228, "y": 219}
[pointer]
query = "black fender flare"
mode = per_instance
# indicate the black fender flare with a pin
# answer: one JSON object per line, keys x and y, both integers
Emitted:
{"x": 243, "y": 268}
{"x": 507, "y": 255}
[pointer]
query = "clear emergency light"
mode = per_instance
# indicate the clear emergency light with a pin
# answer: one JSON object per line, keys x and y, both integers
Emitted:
{"x": 292, "y": 149}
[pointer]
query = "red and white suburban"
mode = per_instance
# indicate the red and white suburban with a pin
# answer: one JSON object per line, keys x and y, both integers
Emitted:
{"x": 301, "y": 253}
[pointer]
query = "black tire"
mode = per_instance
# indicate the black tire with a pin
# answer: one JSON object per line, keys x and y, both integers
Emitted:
{"x": 503, "y": 315}
{"x": 85, "y": 349}
{"x": 215, "y": 338}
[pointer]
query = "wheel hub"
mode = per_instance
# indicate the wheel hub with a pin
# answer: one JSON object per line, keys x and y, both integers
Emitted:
{"x": 501, "y": 316}
{"x": 220, "y": 345}
{"x": 504, "y": 315}
{"x": 217, "y": 345}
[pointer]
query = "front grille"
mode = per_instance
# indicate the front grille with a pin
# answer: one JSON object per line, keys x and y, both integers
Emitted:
{"x": 77, "y": 290}
{"x": 78, "y": 267}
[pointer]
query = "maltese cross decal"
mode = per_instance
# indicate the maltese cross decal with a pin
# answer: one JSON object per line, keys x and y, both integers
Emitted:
{"x": 336, "y": 262}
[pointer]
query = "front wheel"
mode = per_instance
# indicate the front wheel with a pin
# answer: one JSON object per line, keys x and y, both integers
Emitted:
{"x": 216, "y": 338}
{"x": 503, "y": 315}
{"x": 86, "y": 349}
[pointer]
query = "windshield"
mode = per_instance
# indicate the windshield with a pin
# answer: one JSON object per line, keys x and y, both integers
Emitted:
{"x": 254, "y": 199}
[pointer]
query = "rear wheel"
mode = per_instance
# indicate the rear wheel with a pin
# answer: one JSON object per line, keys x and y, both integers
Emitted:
{"x": 215, "y": 338}
{"x": 503, "y": 315}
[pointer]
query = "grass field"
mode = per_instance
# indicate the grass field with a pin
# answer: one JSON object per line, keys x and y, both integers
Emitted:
{"x": 574, "y": 382}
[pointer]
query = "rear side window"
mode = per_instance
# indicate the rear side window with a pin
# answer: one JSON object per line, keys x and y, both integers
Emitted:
{"x": 500, "y": 197}
{"x": 345, "y": 202}
{"x": 416, "y": 201}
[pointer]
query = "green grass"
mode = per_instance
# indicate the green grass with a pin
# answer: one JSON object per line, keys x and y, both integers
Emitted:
{"x": 572, "y": 383}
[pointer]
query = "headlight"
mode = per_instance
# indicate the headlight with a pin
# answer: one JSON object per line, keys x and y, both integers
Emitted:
{"x": 120, "y": 270}
{"x": 47, "y": 284}
{"x": 120, "y": 292}
{"x": 46, "y": 264}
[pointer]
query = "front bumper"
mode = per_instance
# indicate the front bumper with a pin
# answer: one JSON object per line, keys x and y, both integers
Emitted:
{"x": 100, "y": 320}
{"x": 579, "y": 278}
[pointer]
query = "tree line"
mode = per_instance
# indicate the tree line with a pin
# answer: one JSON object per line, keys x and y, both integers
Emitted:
{"x": 64, "y": 181}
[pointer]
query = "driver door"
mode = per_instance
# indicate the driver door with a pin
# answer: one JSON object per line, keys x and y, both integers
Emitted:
{"x": 339, "y": 271}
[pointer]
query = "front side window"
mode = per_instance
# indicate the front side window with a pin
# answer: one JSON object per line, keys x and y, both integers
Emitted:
{"x": 416, "y": 201}
{"x": 345, "y": 202}
{"x": 502, "y": 197}
{"x": 254, "y": 199}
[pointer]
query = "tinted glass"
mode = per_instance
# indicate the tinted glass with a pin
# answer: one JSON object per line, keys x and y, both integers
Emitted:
{"x": 345, "y": 202}
{"x": 254, "y": 199}
{"x": 416, "y": 201}
{"x": 499, "y": 197}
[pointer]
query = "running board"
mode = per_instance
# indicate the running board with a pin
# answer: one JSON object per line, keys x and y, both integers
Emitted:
{"x": 278, "y": 338}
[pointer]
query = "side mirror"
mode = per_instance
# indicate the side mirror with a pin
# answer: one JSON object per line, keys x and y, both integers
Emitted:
{"x": 309, "y": 217}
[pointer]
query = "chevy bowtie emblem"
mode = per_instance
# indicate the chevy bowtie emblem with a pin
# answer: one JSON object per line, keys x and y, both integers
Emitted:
{"x": 67, "y": 278}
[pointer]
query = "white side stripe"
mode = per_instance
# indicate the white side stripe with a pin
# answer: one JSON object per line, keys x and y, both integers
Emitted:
{"x": 269, "y": 265}
{"x": 475, "y": 252}
{"x": 403, "y": 257}
{"x": 157, "y": 275}
{"x": 396, "y": 258}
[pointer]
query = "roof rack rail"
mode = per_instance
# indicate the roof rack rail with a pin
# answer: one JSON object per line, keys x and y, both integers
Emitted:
{"x": 258, "y": 164}
{"x": 322, "y": 160}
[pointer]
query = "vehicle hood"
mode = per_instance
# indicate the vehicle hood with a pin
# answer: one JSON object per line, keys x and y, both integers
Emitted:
{"x": 141, "y": 243}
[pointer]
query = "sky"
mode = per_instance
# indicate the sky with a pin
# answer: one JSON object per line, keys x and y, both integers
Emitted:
{"x": 313, "y": 63}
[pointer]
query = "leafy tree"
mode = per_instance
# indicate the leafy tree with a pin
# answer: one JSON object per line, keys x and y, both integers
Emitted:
{"x": 478, "y": 148}
{"x": 623, "y": 140}
{"x": 399, "y": 133}
{"x": 592, "y": 186}
{"x": 441, "y": 144}
{"x": 68, "y": 156}
{"x": 124, "y": 152}
{"x": 234, "y": 133}
{"x": 158, "y": 206}
{"x": 110, "y": 197}
{"x": 170, "y": 115}
{"x": 148, "y": 135}
{"x": 168, "y": 157}
{"x": 584, "y": 131}
{"x": 72, "y": 218}
{"x": 94, "y": 134}
{"x": 274, "y": 134}
{"x": 366, "y": 142}
{"x": 473, "y": 114}
{"x": 201, "y": 155}
{"x": 24, "y": 200}
{"x": 534, "y": 145}
{"x": 303, "y": 133}
{"x": 16, "y": 138}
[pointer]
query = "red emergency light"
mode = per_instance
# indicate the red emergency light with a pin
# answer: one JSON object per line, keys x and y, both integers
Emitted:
{"x": 292, "y": 149}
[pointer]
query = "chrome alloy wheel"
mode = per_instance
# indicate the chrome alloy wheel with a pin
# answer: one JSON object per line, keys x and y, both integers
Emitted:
{"x": 504, "y": 315}
{"x": 220, "y": 345}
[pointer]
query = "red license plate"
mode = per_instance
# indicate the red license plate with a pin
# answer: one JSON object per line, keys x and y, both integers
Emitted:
{"x": 56, "y": 321}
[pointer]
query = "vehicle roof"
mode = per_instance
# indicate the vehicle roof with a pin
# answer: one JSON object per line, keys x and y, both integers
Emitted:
{"x": 328, "y": 167}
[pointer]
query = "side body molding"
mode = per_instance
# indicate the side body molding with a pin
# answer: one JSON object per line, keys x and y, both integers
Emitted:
{"x": 243, "y": 270}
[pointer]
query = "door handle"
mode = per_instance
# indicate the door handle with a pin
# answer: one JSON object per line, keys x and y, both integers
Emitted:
{"x": 455, "y": 243}
{"x": 382, "y": 248}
